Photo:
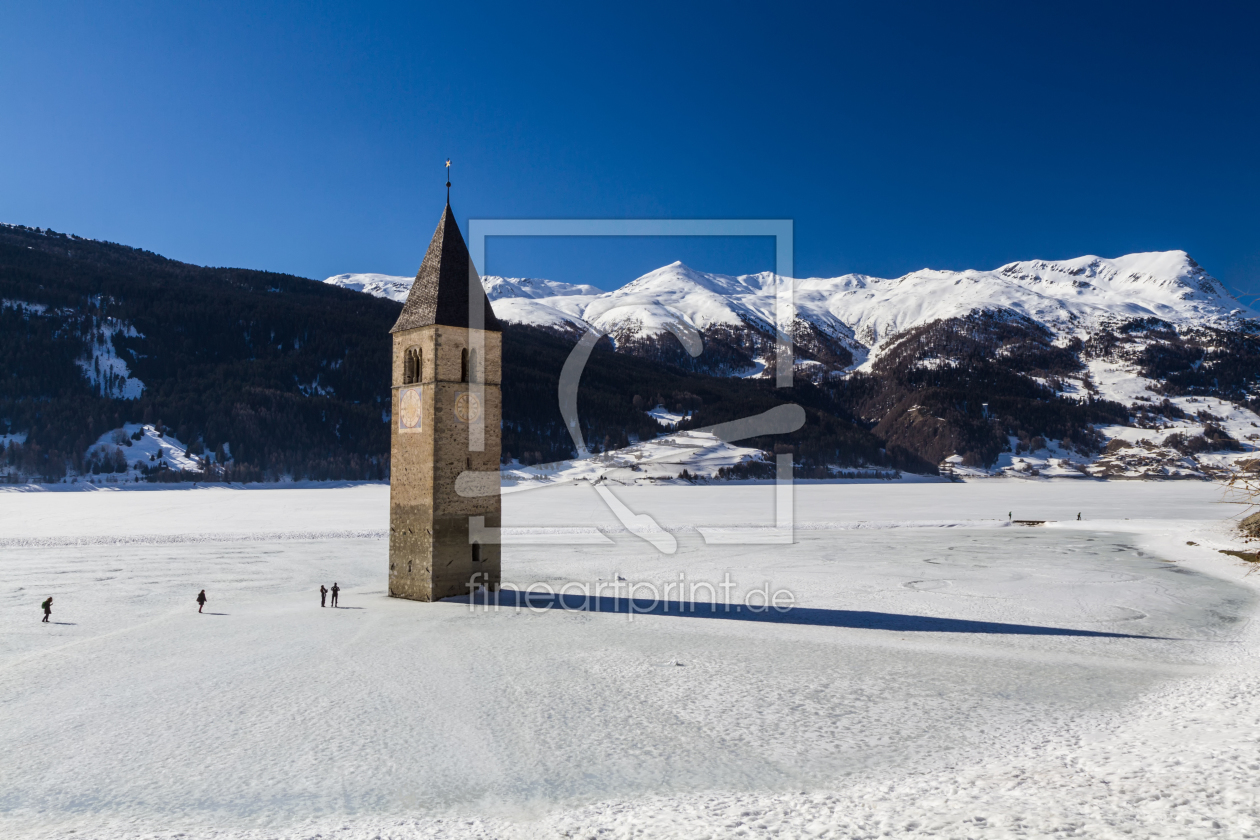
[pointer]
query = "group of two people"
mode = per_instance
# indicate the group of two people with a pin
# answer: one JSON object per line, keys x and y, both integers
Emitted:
{"x": 323, "y": 593}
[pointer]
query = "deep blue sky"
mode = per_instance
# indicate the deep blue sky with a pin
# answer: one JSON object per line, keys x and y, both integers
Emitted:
{"x": 310, "y": 137}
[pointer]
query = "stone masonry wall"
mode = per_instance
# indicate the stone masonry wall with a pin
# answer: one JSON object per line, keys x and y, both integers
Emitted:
{"x": 429, "y": 552}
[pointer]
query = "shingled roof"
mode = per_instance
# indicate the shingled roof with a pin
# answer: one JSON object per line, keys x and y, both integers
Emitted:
{"x": 440, "y": 293}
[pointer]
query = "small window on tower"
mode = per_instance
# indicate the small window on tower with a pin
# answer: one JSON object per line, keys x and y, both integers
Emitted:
{"x": 476, "y": 552}
{"x": 411, "y": 365}
{"x": 463, "y": 365}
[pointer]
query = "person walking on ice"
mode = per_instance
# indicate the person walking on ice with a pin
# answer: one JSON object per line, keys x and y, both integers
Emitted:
{"x": 201, "y": 600}
{"x": 47, "y": 605}
{"x": 323, "y": 593}
{"x": 335, "y": 590}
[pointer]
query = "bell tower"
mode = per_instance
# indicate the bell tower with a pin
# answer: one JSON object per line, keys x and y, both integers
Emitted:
{"x": 446, "y": 421}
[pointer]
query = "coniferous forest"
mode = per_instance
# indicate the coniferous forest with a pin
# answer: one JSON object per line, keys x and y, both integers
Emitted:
{"x": 227, "y": 356}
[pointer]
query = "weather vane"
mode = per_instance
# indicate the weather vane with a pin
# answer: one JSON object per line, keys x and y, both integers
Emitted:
{"x": 448, "y": 180}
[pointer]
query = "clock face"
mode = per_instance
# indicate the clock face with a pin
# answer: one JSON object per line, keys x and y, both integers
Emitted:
{"x": 409, "y": 403}
{"x": 467, "y": 407}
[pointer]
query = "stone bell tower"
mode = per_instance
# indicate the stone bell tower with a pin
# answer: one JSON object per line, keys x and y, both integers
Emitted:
{"x": 446, "y": 421}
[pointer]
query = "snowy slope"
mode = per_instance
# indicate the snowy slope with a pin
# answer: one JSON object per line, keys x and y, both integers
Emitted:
{"x": 540, "y": 303}
{"x": 520, "y": 300}
{"x": 678, "y": 292}
{"x": 498, "y": 288}
{"x": 377, "y": 285}
{"x": 106, "y": 370}
{"x": 152, "y": 450}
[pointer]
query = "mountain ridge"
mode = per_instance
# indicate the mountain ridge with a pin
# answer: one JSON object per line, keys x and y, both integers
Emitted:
{"x": 1074, "y": 361}
{"x": 862, "y": 313}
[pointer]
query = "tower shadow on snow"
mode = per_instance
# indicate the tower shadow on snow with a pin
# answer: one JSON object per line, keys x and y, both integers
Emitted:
{"x": 808, "y": 616}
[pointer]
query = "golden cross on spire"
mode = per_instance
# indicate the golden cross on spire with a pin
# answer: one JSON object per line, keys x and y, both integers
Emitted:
{"x": 448, "y": 180}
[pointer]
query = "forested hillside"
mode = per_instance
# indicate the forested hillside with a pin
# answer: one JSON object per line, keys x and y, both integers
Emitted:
{"x": 286, "y": 372}
{"x": 291, "y": 376}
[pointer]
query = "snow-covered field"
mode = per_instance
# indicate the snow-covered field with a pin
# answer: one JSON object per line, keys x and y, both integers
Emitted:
{"x": 943, "y": 673}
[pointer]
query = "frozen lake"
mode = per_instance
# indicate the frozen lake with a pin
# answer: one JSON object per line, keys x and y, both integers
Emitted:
{"x": 929, "y": 642}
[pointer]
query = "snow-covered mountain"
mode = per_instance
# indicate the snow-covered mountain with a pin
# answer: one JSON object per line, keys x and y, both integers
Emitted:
{"x": 377, "y": 285}
{"x": 858, "y": 313}
{"x": 540, "y": 303}
{"x": 1069, "y": 296}
{"x": 1139, "y": 366}
{"x": 525, "y": 287}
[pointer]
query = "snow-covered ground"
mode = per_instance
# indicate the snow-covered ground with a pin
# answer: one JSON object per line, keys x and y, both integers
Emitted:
{"x": 668, "y": 419}
{"x": 660, "y": 459}
{"x": 1137, "y": 452}
{"x": 149, "y": 450}
{"x": 943, "y": 674}
{"x": 13, "y": 437}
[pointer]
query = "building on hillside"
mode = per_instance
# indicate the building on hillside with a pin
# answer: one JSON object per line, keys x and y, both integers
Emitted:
{"x": 447, "y": 349}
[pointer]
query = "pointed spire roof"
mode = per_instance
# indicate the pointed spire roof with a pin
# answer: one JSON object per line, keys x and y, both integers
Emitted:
{"x": 440, "y": 293}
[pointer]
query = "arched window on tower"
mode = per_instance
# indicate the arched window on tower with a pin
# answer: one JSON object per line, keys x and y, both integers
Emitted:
{"x": 476, "y": 552}
{"x": 463, "y": 365}
{"x": 411, "y": 365}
